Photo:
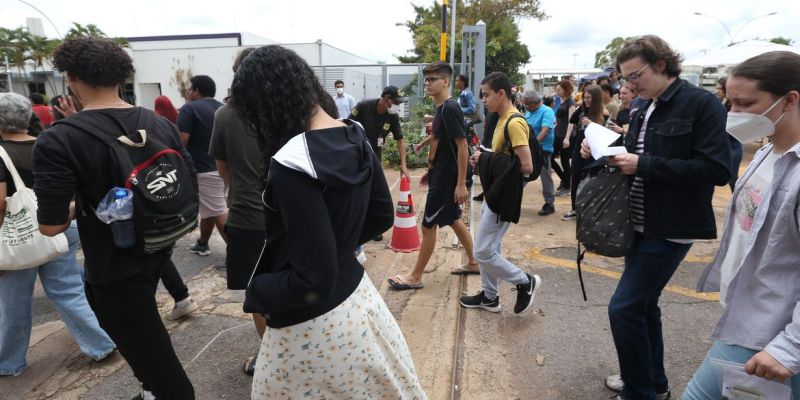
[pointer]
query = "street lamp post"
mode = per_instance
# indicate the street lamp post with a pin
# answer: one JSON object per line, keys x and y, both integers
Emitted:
{"x": 732, "y": 37}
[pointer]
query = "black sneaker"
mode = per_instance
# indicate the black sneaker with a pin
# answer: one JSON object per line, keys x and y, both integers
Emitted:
{"x": 478, "y": 197}
{"x": 526, "y": 293}
{"x": 480, "y": 301}
{"x": 547, "y": 209}
{"x": 378, "y": 238}
{"x": 569, "y": 216}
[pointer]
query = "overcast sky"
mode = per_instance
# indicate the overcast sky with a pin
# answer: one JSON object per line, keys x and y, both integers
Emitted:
{"x": 572, "y": 34}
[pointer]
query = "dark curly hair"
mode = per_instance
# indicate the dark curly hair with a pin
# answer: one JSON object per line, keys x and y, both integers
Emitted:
{"x": 276, "y": 92}
{"x": 96, "y": 62}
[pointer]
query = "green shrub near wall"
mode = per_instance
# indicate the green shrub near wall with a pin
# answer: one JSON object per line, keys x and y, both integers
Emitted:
{"x": 413, "y": 133}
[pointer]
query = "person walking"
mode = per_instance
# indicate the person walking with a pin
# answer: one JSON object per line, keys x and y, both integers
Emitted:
{"x": 329, "y": 334}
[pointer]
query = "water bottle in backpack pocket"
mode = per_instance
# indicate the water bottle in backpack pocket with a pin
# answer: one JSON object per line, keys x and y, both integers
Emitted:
{"x": 116, "y": 210}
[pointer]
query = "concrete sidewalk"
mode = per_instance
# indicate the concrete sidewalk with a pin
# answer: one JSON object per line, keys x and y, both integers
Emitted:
{"x": 560, "y": 350}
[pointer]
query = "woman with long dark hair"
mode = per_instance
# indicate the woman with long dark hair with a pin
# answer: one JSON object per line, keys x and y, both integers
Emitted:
{"x": 591, "y": 110}
{"x": 329, "y": 333}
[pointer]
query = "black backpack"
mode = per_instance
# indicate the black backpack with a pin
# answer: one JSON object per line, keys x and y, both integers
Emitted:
{"x": 537, "y": 153}
{"x": 165, "y": 202}
{"x": 602, "y": 207}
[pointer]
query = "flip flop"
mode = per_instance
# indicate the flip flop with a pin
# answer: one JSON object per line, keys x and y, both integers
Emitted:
{"x": 398, "y": 284}
{"x": 463, "y": 270}
{"x": 249, "y": 366}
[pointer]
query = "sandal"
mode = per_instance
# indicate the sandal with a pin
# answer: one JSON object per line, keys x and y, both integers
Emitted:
{"x": 465, "y": 270}
{"x": 398, "y": 284}
{"x": 249, "y": 366}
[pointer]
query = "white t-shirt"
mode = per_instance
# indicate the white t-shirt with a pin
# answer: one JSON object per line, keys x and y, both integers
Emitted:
{"x": 744, "y": 211}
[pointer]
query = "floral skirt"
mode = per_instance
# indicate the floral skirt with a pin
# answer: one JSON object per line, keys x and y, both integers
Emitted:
{"x": 355, "y": 351}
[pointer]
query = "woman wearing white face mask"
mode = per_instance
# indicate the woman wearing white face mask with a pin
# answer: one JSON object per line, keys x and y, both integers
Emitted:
{"x": 756, "y": 267}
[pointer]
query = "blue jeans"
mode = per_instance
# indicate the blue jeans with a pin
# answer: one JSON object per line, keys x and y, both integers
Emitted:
{"x": 706, "y": 384}
{"x": 62, "y": 280}
{"x": 636, "y": 318}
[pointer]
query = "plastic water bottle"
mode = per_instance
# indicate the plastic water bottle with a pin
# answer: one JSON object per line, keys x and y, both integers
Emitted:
{"x": 122, "y": 212}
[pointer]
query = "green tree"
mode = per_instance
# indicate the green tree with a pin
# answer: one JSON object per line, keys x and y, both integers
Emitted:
{"x": 608, "y": 56}
{"x": 17, "y": 42}
{"x": 504, "y": 51}
{"x": 92, "y": 31}
{"x": 782, "y": 40}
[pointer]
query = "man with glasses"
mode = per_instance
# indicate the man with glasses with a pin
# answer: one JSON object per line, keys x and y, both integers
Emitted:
{"x": 678, "y": 152}
{"x": 379, "y": 119}
{"x": 446, "y": 177}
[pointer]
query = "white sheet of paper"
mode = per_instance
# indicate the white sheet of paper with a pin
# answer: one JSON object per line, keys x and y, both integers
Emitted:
{"x": 600, "y": 138}
{"x": 738, "y": 385}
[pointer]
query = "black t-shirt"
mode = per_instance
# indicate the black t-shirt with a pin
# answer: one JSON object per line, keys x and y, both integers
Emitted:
{"x": 197, "y": 119}
{"x": 562, "y": 118}
{"x": 448, "y": 124}
{"x": 376, "y": 125}
{"x": 20, "y": 154}
{"x": 69, "y": 162}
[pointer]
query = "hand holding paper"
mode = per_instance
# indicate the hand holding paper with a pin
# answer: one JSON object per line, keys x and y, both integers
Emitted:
{"x": 600, "y": 139}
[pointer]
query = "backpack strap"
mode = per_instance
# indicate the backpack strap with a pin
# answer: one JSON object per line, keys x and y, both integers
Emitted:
{"x": 507, "y": 143}
{"x": 578, "y": 260}
{"x": 92, "y": 125}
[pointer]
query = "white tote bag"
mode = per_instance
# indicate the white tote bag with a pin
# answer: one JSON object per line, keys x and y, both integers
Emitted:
{"x": 21, "y": 244}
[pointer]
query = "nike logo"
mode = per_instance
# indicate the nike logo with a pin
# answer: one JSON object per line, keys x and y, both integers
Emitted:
{"x": 432, "y": 217}
{"x": 533, "y": 283}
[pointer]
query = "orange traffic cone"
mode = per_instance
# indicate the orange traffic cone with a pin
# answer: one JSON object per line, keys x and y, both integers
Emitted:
{"x": 405, "y": 236}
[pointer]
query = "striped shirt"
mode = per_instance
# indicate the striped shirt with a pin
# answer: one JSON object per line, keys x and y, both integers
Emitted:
{"x": 637, "y": 188}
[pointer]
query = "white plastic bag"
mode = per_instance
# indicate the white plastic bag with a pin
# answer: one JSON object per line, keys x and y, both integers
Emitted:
{"x": 739, "y": 385}
{"x": 21, "y": 244}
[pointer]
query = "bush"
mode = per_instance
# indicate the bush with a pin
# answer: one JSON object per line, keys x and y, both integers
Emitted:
{"x": 413, "y": 133}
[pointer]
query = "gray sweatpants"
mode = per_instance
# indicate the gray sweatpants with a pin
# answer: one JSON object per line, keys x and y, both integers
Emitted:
{"x": 493, "y": 265}
{"x": 548, "y": 190}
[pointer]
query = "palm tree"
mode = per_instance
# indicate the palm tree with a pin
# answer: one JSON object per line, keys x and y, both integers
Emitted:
{"x": 41, "y": 52}
{"x": 5, "y": 53}
{"x": 19, "y": 44}
{"x": 92, "y": 31}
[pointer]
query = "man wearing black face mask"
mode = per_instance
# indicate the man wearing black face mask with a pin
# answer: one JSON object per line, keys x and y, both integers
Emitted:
{"x": 379, "y": 119}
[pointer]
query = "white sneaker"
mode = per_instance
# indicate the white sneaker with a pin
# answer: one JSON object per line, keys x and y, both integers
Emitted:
{"x": 182, "y": 309}
{"x": 361, "y": 256}
{"x": 615, "y": 383}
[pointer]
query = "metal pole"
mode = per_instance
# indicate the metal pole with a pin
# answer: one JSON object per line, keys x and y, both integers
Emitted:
{"x": 443, "y": 43}
{"x": 453, "y": 34}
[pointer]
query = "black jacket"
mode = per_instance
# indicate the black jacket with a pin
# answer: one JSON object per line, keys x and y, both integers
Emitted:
{"x": 502, "y": 184}
{"x": 325, "y": 195}
{"x": 686, "y": 153}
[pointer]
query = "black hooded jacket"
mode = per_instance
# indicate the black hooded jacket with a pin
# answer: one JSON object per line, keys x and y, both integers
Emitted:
{"x": 502, "y": 184}
{"x": 325, "y": 195}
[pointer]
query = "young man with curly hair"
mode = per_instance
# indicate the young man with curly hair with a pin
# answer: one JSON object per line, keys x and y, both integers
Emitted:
{"x": 69, "y": 162}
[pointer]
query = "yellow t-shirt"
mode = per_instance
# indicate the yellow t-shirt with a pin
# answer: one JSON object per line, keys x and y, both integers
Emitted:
{"x": 517, "y": 132}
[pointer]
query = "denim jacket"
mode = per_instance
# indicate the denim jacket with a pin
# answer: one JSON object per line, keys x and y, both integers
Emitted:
{"x": 467, "y": 102}
{"x": 686, "y": 153}
{"x": 762, "y": 301}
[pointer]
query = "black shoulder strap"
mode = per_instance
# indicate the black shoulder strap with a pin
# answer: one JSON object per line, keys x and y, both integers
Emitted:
{"x": 92, "y": 125}
{"x": 507, "y": 143}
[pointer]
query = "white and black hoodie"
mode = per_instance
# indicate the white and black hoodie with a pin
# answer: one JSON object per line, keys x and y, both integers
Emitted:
{"x": 325, "y": 195}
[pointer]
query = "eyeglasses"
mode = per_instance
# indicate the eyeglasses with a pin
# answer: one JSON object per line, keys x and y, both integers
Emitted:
{"x": 633, "y": 77}
{"x": 431, "y": 79}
